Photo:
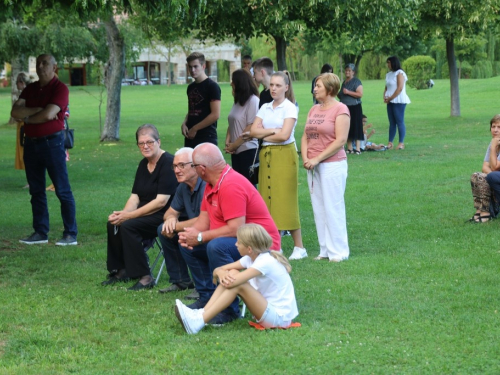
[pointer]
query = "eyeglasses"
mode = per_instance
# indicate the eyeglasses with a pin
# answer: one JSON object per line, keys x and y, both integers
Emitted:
{"x": 142, "y": 144}
{"x": 196, "y": 165}
{"x": 181, "y": 166}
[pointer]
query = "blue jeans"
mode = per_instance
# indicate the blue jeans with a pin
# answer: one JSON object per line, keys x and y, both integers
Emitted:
{"x": 396, "y": 115}
{"x": 197, "y": 261}
{"x": 493, "y": 179}
{"x": 222, "y": 251}
{"x": 176, "y": 266}
{"x": 49, "y": 155}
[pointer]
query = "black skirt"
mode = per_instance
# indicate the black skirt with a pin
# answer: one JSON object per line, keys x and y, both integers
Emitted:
{"x": 356, "y": 128}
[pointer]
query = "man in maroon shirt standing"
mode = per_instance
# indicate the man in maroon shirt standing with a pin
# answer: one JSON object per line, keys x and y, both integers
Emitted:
{"x": 41, "y": 106}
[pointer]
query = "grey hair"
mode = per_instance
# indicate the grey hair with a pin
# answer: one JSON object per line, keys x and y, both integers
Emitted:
{"x": 184, "y": 150}
{"x": 351, "y": 66}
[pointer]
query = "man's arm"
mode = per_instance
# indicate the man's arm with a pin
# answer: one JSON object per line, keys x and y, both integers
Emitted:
{"x": 207, "y": 121}
{"x": 189, "y": 237}
{"x": 34, "y": 115}
{"x": 20, "y": 111}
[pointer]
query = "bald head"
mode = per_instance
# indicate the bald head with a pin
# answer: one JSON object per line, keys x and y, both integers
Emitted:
{"x": 208, "y": 155}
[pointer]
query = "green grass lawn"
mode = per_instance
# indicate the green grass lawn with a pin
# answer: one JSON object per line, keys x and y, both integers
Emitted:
{"x": 419, "y": 293}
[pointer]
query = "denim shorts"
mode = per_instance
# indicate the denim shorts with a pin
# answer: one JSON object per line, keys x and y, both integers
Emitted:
{"x": 271, "y": 319}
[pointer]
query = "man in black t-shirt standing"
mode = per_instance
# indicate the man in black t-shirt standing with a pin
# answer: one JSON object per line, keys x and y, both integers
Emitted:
{"x": 262, "y": 72}
{"x": 200, "y": 124}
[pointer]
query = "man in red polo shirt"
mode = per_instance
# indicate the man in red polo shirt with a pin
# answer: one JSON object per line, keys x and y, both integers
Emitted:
{"x": 229, "y": 201}
{"x": 41, "y": 106}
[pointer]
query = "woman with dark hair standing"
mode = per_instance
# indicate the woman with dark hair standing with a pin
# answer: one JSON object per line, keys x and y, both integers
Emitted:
{"x": 240, "y": 119}
{"x": 326, "y": 68}
{"x": 396, "y": 99}
{"x": 350, "y": 94}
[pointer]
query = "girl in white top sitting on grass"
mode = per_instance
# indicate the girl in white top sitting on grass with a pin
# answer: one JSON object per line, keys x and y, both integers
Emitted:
{"x": 265, "y": 285}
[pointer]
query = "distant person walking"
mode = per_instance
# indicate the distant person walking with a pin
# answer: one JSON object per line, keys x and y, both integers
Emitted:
{"x": 396, "y": 99}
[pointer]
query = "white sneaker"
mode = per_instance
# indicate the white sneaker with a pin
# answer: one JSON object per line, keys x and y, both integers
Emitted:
{"x": 298, "y": 253}
{"x": 191, "y": 320}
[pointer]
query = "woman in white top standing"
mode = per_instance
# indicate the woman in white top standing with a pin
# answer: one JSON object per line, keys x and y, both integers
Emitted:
{"x": 396, "y": 99}
{"x": 279, "y": 163}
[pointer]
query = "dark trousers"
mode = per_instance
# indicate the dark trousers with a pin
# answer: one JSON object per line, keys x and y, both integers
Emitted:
{"x": 241, "y": 162}
{"x": 198, "y": 141}
{"x": 222, "y": 251}
{"x": 493, "y": 179}
{"x": 176, "y": 266}
{"x": 125, "y": 250}
{"x": 49, "y": 155}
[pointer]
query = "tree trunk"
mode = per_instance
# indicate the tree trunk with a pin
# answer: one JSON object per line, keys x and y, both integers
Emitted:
{"x": 18, "y": 64}
{"x": 113, "y": 79}
{"x": 454, "y": 88}
{"x": 280, "y": 52}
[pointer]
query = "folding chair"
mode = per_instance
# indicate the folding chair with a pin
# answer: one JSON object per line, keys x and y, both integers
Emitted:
{"x": 148, "y": 245}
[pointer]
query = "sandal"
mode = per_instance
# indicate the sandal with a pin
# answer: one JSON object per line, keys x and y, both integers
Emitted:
{"x": 321, "y": 258}
{"x": 474, "y": 218}
{"x": 349, "y": 152}
{"x": 357, "y": 152}
{"x": 483, "y": 219}
{"x": 401, "y": 146}
{"x": 390, "y": 146}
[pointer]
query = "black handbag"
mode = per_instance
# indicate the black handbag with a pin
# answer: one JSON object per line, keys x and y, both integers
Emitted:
{"x": 21, "y": 135}
{"x": 69, "y": 136}
{"x": 253, "y": 170}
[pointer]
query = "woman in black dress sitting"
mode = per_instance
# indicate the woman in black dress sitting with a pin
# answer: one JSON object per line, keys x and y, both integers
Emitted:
{"x": 154, "y": 187}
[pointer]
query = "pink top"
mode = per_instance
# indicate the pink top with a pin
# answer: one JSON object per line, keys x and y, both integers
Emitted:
{"x": 320, "y": 130}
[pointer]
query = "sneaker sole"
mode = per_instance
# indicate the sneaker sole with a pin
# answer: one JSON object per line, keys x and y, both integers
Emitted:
{"x": 66, "y": 244}
{"x": 178, "y": 307}
{"x": 33, "y": 242}
{"x": 297, "y": 258}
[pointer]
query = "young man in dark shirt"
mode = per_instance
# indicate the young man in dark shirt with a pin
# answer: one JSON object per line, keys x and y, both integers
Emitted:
{"x": 262, "y": 71}
{"x": 200, "y": 124}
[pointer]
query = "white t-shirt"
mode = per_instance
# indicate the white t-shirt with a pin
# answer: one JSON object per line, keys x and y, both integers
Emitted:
{"x": 274, "y": 284}
{"x": 273, "y": 118}
{"x": 391, "y": 81}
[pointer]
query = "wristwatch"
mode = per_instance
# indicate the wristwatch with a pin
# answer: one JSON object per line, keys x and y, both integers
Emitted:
{"x": 200, "y": 237}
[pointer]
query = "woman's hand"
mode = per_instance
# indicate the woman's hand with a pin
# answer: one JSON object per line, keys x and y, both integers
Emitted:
{"x": 227, "y": 277}
{"x": 118, "y": 217}
{"x": 311, "y": 163}
{"x": 230, "y": 149}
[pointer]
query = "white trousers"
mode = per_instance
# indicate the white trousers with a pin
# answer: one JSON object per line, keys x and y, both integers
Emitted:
{"x": 327, "y": 186}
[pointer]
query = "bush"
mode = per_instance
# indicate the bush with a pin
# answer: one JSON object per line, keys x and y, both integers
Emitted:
{"x": 420, "y": 69}
{"x": 482, "y": 69}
